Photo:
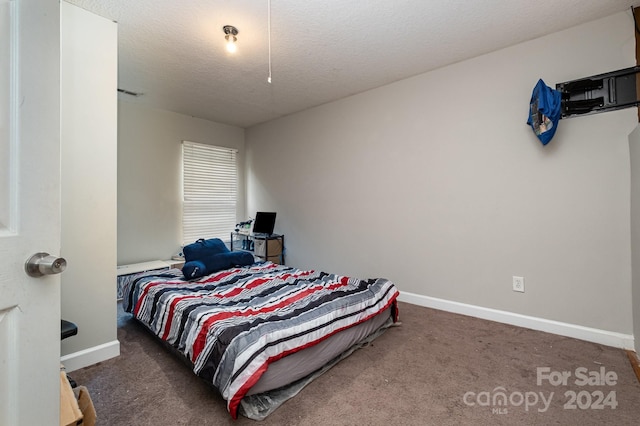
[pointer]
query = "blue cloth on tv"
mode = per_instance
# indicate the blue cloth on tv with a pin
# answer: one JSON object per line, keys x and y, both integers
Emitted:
{"x": 545, "y": 109}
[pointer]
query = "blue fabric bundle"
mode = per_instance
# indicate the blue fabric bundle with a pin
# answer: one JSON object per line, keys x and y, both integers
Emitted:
{"x": 205, "y": 257}
{"x": 545, "y": 109}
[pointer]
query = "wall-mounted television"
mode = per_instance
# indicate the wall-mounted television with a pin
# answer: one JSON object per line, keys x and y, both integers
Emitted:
{"x": 264, "y": 223}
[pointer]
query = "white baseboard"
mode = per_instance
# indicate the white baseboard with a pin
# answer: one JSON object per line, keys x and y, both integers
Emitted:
{"x": 90, "y": 356}
{"x": 603, "y": 337}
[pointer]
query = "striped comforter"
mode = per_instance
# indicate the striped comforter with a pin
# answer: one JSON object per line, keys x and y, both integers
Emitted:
{"x": 232, "y": 324}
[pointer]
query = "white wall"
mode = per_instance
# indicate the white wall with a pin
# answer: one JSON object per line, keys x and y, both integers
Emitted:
{"x": 437, "y": 183}
{"x": 150, "y": 177}
{"x": 89, "y": 71}
{"x": 634, "y": 149}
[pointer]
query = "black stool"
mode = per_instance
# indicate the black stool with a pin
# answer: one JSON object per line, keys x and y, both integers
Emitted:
{"x": 68, "y": 329}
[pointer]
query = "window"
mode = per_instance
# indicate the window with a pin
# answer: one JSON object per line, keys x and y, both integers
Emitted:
{"x": 210, "y": 191}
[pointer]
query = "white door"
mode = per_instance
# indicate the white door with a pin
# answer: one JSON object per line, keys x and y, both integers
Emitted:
{"x": 29, "y": 210}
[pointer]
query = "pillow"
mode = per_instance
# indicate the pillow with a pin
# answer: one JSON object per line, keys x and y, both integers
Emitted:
{"x": 215, "y": 263}
{"x": 193, "y": 269}
{"x": 204, "y": 248}
{"x": 242, "y": 258}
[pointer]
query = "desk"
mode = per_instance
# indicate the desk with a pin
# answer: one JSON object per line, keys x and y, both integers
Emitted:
{"x": 266, "y": 247}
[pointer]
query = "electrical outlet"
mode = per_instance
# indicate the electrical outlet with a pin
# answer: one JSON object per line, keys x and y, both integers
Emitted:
{"x": 518, "y": 284}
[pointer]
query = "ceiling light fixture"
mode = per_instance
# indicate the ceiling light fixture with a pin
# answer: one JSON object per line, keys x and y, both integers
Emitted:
{"x": 230, "y": 35}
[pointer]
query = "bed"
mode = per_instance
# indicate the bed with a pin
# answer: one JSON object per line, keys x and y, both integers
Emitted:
{"x": 259, "y": 333}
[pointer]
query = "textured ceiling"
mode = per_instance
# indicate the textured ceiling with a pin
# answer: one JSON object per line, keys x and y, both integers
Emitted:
{"x": 173, "y": 51}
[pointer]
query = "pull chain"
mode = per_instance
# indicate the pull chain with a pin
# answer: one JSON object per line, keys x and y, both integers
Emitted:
{"x": 269, "y": 37}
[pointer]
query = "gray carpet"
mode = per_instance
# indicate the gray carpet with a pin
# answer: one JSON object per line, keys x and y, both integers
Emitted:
{"x": 437, "y": 368}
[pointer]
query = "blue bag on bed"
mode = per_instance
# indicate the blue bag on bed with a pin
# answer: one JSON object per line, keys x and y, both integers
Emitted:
{"x": 204, "y": 248}
{"x": 216, "y": 262}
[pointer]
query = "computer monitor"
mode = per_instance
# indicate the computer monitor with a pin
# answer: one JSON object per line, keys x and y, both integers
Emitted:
{"x": 264, "y": 223}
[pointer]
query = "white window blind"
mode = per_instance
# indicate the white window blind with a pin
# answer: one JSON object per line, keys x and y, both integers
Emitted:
{"x": 210, "y": 189}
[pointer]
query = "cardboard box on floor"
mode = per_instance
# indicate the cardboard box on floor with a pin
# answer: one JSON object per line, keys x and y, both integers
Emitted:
{"x": 70, "y": 413}
{"x": 76, "y": 407}
{"x": 86, "y": 406}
